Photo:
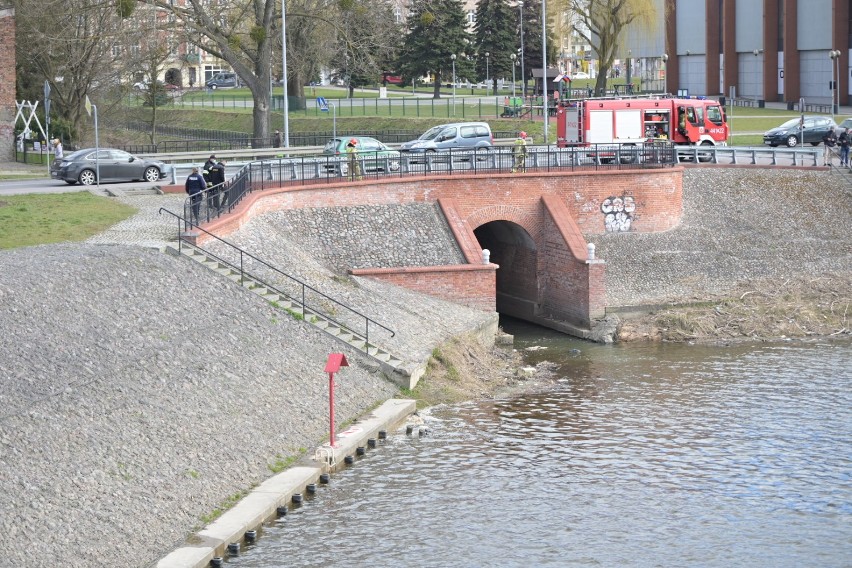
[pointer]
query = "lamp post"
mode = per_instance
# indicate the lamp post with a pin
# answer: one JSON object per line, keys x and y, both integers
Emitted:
{"x": 284, "y": 74}
{"x": 629, "y": 71}
{"x": 834, "y": 55}
{"x": 514, "y": 64}
{"x": 487, "y": 55}
{"x": 523, "y": 75}
{"x": 545, "y": 107}
{"x": 453, "y": 57}
{"x": 664, "y": 57}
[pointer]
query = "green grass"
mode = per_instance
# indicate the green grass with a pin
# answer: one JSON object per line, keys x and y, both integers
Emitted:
{"x": 27, "y": 220}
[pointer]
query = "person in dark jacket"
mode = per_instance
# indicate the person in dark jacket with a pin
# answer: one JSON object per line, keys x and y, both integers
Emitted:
{"x": 195, "y": 186}
{"x": 829, "y": 141}
{"x": 206, "y": 171}
{"x": 276, "y": 140}
{"x": 217, "y": 178}
{"x": 844, "y": 142}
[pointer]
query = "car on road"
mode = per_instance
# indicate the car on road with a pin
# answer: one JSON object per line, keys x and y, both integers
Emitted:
{"x": 114, "y": 165}
{"x": 791, "y": 132}
{"x": 222, "y": 81}
{"x": 579, "y": 75}
{"x": 374, "y": 155}
{"x": 847, "y": 124}
{"x": 456, "y": 136}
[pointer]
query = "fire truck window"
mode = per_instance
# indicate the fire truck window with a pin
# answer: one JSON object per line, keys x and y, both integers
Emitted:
{"x": 714, "y": 115}
{"x": 690, "y": 116}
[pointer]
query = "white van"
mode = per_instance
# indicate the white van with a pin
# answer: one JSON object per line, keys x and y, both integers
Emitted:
{"x": 456, "y": 136}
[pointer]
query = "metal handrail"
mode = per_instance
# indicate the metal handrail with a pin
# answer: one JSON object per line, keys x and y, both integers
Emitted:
{"x": 243, "y": 254}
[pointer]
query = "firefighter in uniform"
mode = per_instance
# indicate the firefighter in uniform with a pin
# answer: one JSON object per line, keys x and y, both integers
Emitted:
{"x": 354, "y": 164}
{"x": 520, "y": 153}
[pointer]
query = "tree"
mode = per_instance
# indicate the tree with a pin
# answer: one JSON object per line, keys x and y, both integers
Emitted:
{"x": 601, "y": 23}
{"x": 70, "y": 44}
{"x": 532, "y": 39}
{"x": 495, "y": 34}
{"x": 368, "y": 43}
{"x": 436, "y": 30}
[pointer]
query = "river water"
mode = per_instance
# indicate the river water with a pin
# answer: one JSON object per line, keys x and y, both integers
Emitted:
{"x": 655, "y": 455}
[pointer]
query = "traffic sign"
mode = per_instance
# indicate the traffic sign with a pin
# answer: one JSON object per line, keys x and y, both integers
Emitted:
{"x": 323, "y": 105}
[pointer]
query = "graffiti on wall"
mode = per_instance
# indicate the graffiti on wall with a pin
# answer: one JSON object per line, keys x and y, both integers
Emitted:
{"x": 618, "y": 213}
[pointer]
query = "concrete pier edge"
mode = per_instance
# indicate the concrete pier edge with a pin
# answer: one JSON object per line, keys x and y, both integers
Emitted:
{"x": 261, "y": 503}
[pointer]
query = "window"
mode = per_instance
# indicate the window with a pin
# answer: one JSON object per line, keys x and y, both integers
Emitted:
{"x": 714, "y": 115}
{"x": 121, "y": 155}
{"x": 397, "y": 14}
{"x": 468, "y": 132}
{"x": 471, "y": 17}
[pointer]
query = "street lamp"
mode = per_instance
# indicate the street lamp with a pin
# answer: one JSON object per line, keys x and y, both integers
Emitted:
{"x": 523, "y": 75}
{"x": 453, "y": 57}
{"x": 514, "y": 64}
{"x": 834, "y": 55}
{"x": 487, "y": 55}
{"x": 284, "y": 74}
{"x": 664, "y": 57}
{"x": 629, "y": 71}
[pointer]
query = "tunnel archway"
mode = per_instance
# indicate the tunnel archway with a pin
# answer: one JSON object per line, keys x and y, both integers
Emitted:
{"x": 516, "y": 252}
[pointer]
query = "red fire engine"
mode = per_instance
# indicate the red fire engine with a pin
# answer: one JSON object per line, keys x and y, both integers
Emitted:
{"x": 636, "y": 121}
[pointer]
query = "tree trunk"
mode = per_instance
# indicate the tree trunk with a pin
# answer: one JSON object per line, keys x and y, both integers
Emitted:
{"x": 436, "y": 87}
{"x": 260, "y": 93}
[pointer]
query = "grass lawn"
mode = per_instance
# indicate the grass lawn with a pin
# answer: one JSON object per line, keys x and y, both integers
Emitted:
{"x": 27, "y": 220}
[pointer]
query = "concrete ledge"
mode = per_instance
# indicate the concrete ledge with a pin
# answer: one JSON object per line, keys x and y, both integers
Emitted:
{"x": 261, "y": 504}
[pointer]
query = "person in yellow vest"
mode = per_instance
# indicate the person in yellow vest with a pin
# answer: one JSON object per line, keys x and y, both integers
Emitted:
{"x": 354, "y": 164}
{"x": 520, "y": 153}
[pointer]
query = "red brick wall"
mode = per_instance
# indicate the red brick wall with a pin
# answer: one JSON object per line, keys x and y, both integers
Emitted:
{"x": 552, "y": 279}
{"x": 7, "y": 82}
{"x": 470, "y": 284}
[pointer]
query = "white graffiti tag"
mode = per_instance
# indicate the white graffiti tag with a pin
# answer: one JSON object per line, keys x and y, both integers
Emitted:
{"x": 618, "y": 213}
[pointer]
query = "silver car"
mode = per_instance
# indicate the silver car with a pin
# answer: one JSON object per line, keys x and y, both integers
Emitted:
{"x": 86, "y": 165}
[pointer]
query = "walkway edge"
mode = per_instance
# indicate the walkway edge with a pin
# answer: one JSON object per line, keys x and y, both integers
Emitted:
{"x": 261, "y": 503}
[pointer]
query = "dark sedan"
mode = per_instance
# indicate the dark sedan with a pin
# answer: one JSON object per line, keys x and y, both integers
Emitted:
{"x": 84, "y": 166}
{"x": 791, "y": 132}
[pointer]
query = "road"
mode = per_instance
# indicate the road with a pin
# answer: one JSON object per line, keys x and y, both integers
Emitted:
{"x": 47, "y": 186}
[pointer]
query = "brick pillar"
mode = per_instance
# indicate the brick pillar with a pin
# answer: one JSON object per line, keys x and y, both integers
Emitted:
{"x": 792, "y": 84}
{"x": 840, "y": 33}
{"x": 729, "y": 44}
{"x": 770, "y": 50}
{"x": 672, "y": 70}
{"x": 7, "y": 83}
{"x": 713, "y": 32}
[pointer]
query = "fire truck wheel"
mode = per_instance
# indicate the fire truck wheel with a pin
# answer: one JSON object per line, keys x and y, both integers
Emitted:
{"x": 792, "y": 141}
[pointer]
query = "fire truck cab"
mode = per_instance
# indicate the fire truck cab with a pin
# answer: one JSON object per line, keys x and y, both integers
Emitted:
{"x": 635, "y": 121}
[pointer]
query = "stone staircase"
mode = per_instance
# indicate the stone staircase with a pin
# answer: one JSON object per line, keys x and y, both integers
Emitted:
{"x": 391, "y": 365}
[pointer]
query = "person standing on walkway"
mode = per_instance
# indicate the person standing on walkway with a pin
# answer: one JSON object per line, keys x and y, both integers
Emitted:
{"x": 276, "y": 139}
{"x": 520, "y": 153}
{"x": 195, "y": 186}
{"x": 217, "y": 178}
{"x": 843, "y": 142}
{"x": 205, "y": 172}
{"x": 829, "y": 141}
{"x": 57, "y": 149}
{"x": 354, "y": 164}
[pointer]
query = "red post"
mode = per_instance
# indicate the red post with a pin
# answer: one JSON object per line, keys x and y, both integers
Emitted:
{"x": 335, "y": 361}
{"x": 331, "y": 408}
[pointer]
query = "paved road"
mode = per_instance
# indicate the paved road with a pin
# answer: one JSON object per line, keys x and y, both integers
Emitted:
{"x": 47, "y": 185}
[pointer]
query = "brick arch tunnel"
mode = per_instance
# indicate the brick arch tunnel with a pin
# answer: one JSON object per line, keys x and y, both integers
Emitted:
{"x": 515, "y": 251}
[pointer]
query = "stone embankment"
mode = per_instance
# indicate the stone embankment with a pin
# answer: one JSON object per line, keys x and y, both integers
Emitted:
{"x": 139, "y": 392}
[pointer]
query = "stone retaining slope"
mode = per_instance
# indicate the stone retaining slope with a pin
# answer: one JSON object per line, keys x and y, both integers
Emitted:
{"x": 138, "y": 394}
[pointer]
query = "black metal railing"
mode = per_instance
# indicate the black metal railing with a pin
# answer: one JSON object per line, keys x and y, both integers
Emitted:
{"x": 311, "y": 300}
{"x": 322, "y": 169}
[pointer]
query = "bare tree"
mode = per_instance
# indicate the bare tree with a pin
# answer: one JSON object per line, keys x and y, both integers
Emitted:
{"x": 601, "y": 23}
{"x": 70, "y": 44}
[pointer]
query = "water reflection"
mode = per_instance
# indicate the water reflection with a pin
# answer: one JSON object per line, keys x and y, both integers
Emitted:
{"x": 644, "y": 456}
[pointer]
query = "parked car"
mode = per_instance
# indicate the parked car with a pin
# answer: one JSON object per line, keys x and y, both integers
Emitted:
{"x": 580, "y": 75}
{"x": 222, "y": 81}
{"x": 114, "y": 165}
{"x": 847, "y": 124}
{"x": 143, "y": 86}
{"x": 456, "y": 136}
{"x": 374, "y": 155}
{"x": 789, "y": 133}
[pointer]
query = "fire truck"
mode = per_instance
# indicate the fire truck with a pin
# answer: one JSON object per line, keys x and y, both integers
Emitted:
{"x": 636, "y": 121}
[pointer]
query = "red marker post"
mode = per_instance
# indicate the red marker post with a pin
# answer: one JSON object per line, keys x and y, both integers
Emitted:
{"x": 332, "y": 365}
